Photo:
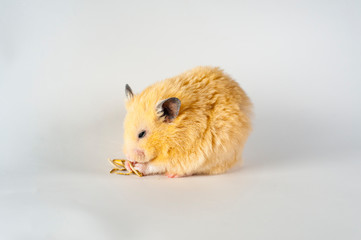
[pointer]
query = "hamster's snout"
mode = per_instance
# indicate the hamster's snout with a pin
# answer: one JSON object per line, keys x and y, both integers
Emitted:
{"x": 140, "y": 153}
{"x": 136, "y": 155}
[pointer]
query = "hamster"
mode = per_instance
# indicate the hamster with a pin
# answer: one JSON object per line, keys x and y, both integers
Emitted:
{"x": 194, "y": 123}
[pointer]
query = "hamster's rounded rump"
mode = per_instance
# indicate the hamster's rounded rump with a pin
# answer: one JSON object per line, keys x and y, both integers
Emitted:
{"x": 194, "y": 123}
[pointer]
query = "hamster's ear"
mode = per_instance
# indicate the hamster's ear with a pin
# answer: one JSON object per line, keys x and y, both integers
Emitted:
{"x": 128, "y": 92}
{"x": 168, "y": 108}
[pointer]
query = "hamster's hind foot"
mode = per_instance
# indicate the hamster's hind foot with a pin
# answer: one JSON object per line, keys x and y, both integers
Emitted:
{"x": 171, "y": 175}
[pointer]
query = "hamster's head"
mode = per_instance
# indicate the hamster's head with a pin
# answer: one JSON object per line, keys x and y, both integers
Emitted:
{"x": 146, "y": 125}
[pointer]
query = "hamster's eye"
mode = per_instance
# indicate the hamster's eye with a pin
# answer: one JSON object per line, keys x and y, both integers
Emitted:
{"x": 141, "y": 134}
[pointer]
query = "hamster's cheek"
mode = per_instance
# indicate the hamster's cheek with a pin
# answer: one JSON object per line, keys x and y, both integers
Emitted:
{"x": 150, "y": 154}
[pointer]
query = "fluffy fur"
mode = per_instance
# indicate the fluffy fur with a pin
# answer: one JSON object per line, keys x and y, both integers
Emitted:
{"x": 206, "y": 137}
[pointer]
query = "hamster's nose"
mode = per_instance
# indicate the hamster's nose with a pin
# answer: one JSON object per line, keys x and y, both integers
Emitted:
{"x": 140, "y": 153}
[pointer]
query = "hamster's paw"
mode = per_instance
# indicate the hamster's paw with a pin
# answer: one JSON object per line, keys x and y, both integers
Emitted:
{"x": 172, "y": 175}
{"x": 142, "y": 168}
{"x": 126, "y": 165}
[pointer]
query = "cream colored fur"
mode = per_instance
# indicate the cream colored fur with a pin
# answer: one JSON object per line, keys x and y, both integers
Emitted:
{"x": 208, "y": 135}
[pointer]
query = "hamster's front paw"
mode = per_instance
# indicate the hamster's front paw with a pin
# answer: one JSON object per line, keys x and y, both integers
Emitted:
{"x": 142, "y": 168}
{"x": 126, "y": 165}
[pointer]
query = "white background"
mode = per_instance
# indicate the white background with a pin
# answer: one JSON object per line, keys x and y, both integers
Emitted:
{"x": 63, "y": 67}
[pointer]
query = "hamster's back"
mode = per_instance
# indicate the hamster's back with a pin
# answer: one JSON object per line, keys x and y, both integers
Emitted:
{"x": 202, "y": 88}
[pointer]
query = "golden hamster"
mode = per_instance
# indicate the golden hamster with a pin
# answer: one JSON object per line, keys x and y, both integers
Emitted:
{"x": 194, "y": 123}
